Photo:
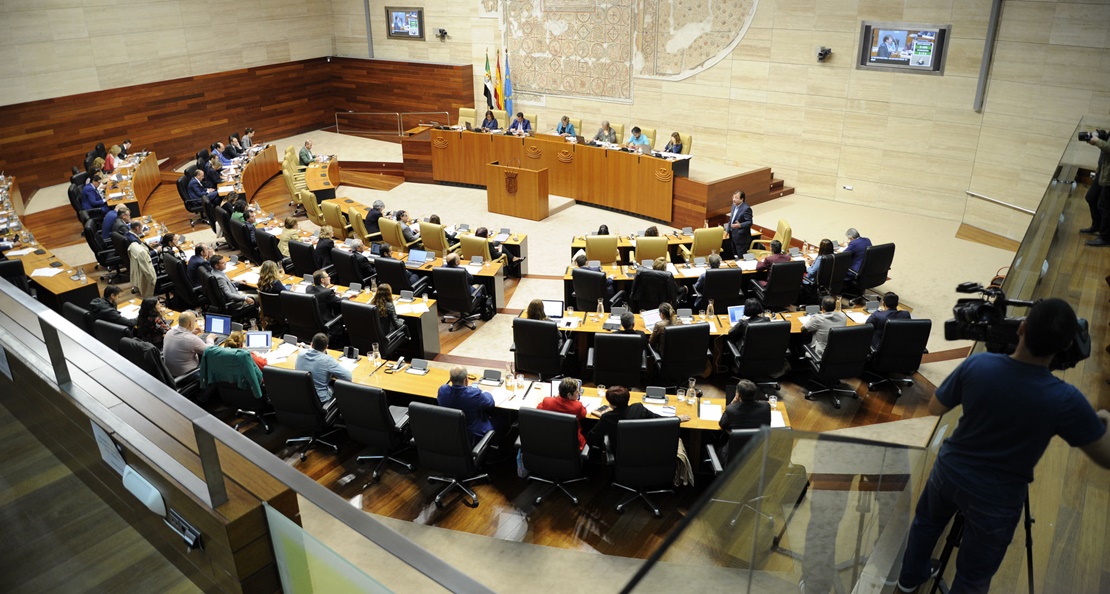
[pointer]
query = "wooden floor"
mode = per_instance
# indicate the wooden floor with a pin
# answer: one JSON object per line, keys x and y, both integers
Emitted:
{"x": 60, "y": 536}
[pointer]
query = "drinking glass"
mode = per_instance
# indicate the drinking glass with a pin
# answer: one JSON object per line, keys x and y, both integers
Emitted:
{"x": 773, "y": 400}
{"x": 601, "y": 390}
{"x": 681, "y": 395}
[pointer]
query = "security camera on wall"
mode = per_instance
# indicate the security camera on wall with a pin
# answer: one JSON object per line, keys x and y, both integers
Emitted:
{"x": 441, "y": 33}
{"x": 823, "y": 53}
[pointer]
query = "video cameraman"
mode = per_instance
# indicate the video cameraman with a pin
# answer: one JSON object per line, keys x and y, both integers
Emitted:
{"x": 1098, "y": 196}
{"x": 1012, "y": 407}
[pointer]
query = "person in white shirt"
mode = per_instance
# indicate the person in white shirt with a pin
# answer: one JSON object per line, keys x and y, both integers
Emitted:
{"x": 820, "y": 323}
{"x": 181, "y": 347}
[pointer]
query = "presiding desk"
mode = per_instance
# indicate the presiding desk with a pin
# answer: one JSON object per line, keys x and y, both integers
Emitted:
{"x": 322, "y": 177}
{"x": 624, "y": 181}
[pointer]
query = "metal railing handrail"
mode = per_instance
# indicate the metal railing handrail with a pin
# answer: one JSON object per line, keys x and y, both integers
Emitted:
{"x": 999, "y": 202}
{"x": 400, "y": 116}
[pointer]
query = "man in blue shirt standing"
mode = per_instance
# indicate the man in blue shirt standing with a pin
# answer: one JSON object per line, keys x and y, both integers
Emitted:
{"x": 1012, "y": 407}
{"x": 322, "y": 366}
{"x": 474, "y": 402}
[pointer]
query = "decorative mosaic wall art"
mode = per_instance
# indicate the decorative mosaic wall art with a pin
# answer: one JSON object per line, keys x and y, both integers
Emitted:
{"x": 593, "y": 48}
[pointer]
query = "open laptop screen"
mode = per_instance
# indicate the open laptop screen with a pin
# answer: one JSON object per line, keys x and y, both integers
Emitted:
{"x": 651, "y": 316}
{"x": 553, "y": 309}
{"x": 216, "y": 324}
{"x": 735, "y": 314}
{"x": 258, "y": 340}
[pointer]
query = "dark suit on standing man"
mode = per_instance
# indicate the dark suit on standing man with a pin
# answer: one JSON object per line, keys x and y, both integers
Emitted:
{"x": 741, "y": 237}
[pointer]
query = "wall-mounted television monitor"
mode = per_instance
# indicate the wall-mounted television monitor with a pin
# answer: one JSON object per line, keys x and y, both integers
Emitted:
{"x": 404, "y": 22}
{"x": 906, "y": 47}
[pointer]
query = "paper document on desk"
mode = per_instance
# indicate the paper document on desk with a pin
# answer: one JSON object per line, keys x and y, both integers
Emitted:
{"x": 115, "y": 195}
{"x": 538, "y": 391}
{"x": 402, "y": 308}
{"x": 22, "y": 252}
{"x": 129, "y": 311}
{"x": 859, "y": 317}
{"x": 591, "y": 403}
{"x": 249, "y": 277}
{"x": 282, "y": 351}
{"x": 777, "y": 420}
{"x": 225, "y": 189}
{"x": 419, "y": 307}
{"x": 502, "y": 237}
{"x": 474, "y": 270}
{"x": 568, "y": 323}
{"x": 748, "y": 265}
{"x": 348, "y": 364}
{"x": 47, "y": 271}
{"x": 710, "y": 412}
{"x": 503, "y": 397}
{"x": 273, "y": 230}
{"x": 661, "y": 410}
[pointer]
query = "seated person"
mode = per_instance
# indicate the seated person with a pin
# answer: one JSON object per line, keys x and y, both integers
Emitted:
{"x": 620, "y": 410}
{"x": 520, "y": 126}
{"x": 603, "y": 230}
{"x": 605, "y": 134}
{"x": 820, "y": 323}
{"x": 247, "y": 139}
{"x": 376, "y": 211}
{"x": 181, "y": 347}
{"x": 325, "y": 294}
{"x": 196, "y": 189}
{"x": 91, "y": 196}
{"x": 383, "y": 300}
{"x": 628, "y": 324}
{"x": 108, "y": 224}
{"x": 825, "y": 248}
{"x": 774, "y": 257}
{"x": 151, "y": 325}
{"x": 218, "y": 150}
{"x": 714, "y": 262}
{"x": 667, "y": 317}
{"x": 651, "y": 231}
{"x": 565, "y": 128}
{"x": 387, "y": 252}
{"x": 886, "y": 312}
{"x": 213, "y": 173}
{"x": 269, "y": 278}
{"x": 753, "y": 314}
{"x": 745, "y": 412}
{"x": 105, "y": 308}
{"x": 534, "y": 311}
{"x": 305, "y": 155}
{"x": 581, "y": 262}
{"x": 171, "y": 246}
{"x": 321, "y": 254}
{"x": 568, "y": 401}
{"x": 452, "y": 261}
{"x": 490, "y": 122}
{"x": 451, "y": 235}
{"x": 233, "y": 145}
{"x": 358, "y": 253}
{"x": 856, "y": 246}
{"x": 322, "y": 366}
{"x": 199, "y": 267}
{"x": 674, "y": 145}
{"x": 660, "y": 264}
{"x": 235, "y": 298}
{"x": 512, "y": 267}
{"x": 474, "y": 402}
{"x": 410, "y": 231}
{"x": 237, "y": 340}
{"x": 289, "y": 232}
{"x": 638, "y": 141}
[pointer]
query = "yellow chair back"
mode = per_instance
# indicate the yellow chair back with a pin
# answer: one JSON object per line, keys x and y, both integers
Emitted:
{"x": 650, "y": 248}
{"x": 333, "y": 215}
{"x": 602, "y": 248}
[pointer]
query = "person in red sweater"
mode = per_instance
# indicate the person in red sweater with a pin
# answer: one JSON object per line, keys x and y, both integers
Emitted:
{"x": 568, "y": 401}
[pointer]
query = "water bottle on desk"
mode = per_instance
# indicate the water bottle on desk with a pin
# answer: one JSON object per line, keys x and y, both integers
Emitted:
{"x": 709, "y": 310}
{"x": 600, "y": 308}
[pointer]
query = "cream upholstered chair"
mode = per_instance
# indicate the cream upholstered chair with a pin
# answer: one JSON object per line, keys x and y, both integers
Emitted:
{"x": 359, "y": 230}
{"x": 619, "y": 130}
{"x": 577, "y": 123}
{"x": 602, "y": 248}
{"x": 783, "y": 232}
{"x": 333, "y": 215}
{"x": 534, "y": 119}
{"x": 650, "y": 134}
{"x": 501, "y": 116}
{"x": 471, "y": 245}
{"x": 468, "y": 114}
{"x": 394, "y": 236}
{"x": 706, "y": 241}
{"x": 650, "y": 248}
{"x": 312, "y": 207}
{"x": 293, "y": 160}
{"x": 687, "y": 141}
{"x": 435, "y": 239}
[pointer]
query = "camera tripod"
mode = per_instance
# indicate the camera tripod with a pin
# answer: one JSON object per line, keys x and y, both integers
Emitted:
{"x": 956, "y": 535}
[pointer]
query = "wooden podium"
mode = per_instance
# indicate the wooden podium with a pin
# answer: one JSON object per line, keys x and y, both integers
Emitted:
{"x": 516, "y": 192}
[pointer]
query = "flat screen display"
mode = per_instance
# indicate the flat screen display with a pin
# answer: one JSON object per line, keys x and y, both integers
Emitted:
{"x": 903, "y": 46}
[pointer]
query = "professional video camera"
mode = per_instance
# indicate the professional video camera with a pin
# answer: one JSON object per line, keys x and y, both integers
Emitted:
{"x": 1102, "y": 135}
{"x": 984, "y": 320}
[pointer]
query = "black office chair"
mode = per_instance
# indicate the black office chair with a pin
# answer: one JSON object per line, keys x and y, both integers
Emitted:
{"x": 393, "y": 272}
{"x": 78, "y": 316}
{"x": 900, "y": 350}
{"x": 272, "y": 313}
{"x": 105, "y": 255}
{"x": 652, "y": 287}
{"x": 591, "y": 285}
{"x": 297, "y": 406}
{"x": 347, "y": 270}
{"x": 183, "y": 288}
{"x": 737, "y": 439}
{"x": 209, "y": 208}
{"x": 453, "y": 293}
{"x": 268, "y": 249}
{"x": 784, "y": 282}
{"x": 724, "y": 286}
{"x": 219, "y": 304}
{"x": 248, "y": 250}
{"x": 873, "y": 270}
{"x": 537, "y": 347}
{"x": 685, "y": 349}
{"x": 147, "y": 357}
{"x": 443, "y": 444}
{"x": 646, "y": 458}
{"x": 371, "y": 421}
{"x": 364, "y": 329}
{"x": 617, "y": 360}
{"x": 224, "y": 219}
{"x": 762, "y": 355}
{"x": 549, "y": 450}
{"x": 845, "y": 356}
{"x": 302, "y": 310}
{"x": 303, "y": 258}
{"x": 830, "y": 276}
{"x": 110, "y": 334}
{"x": 12, "y": 271}
{"x": 193, "y": 206}
{"x": 202, "y": 158}
{"x": 119, "y": 245}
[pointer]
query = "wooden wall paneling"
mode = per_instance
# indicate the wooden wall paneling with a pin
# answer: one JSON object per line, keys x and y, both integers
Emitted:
{"x": 41, "y": 140}
{"x": 358, "y": 85}
{"x": 416, "y": 154}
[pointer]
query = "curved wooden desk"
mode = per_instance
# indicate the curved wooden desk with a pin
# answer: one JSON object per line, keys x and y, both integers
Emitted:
{"x": 322, "y": 178}
{"x": 143, "y": 178}
{"x": 259, "y": 170}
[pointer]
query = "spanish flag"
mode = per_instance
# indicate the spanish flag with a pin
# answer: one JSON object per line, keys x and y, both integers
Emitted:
{"x": 497, "y": 91}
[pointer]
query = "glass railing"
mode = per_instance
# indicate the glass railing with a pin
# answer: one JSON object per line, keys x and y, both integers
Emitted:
{"x": 794, "y": 508}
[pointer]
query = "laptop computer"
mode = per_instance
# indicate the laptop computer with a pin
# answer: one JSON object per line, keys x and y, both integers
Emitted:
{"x": 651, "y": 316}
{"x": 216, "y": 326}
{"x": 416, "y": 258}
{"x": 475, "y": 260}
{"x": 871, "y": 306}
{"x": 553, "y": 309}
{"x": 655, "y": 394}
{"x": 491, "y": 377}
{"x": 375, "y": 249}
{"x": 469, "y": 128}
{"x": 259, "y": 341}
{"x": 812, "y": 309}
{"x": 735, "y": 314}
